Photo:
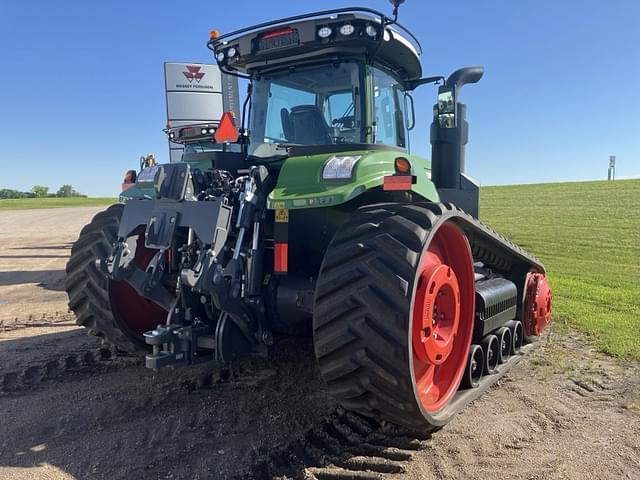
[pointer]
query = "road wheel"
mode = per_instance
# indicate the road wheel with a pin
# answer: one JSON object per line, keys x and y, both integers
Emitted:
{"x": 394, "y": 311}
{"x": 111, "y": 310}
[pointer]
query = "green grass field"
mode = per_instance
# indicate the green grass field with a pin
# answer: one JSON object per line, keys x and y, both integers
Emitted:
{"x": 30, "y": 203}
{"x": 588, "y": 236}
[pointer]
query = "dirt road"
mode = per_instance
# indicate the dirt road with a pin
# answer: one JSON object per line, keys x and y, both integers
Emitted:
{"x": 34, "y": 247}
{"x": 71, "y": 408}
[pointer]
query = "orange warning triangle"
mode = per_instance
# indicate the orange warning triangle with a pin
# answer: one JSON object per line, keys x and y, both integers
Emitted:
{"x": 227, "y": 132}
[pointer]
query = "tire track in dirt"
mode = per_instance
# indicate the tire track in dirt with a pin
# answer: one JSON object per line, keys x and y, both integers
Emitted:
{"x": 89, "y": 362}
{"x": 342, "y": 446}
{"x": 37, "y": 350}
{"x": 46, "y": 320}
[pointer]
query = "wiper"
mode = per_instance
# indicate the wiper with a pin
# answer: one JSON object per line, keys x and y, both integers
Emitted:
{"x": 286, "y": 145}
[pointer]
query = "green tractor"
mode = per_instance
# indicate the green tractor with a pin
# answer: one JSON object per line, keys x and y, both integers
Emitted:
{"x": 312, "y": 215}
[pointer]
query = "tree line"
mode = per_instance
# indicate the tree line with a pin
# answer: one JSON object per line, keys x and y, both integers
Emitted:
{"x": 39, "y": 191}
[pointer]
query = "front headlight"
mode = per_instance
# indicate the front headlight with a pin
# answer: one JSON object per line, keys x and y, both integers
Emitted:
{"x": 340, "y": 167}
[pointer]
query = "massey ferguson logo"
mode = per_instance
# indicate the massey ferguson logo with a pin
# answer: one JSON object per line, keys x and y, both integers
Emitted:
{"x": 193, "y": 73}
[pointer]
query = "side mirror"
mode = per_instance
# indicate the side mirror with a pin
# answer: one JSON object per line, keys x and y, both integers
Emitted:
{"x": 446, "y": 107}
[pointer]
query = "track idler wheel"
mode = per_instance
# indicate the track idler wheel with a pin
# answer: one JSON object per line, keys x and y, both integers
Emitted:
{"x": 505, "y": 340}
{"x": 475, "y": 367}
{"x": 491, "y": 349}
{"x": 517, "y": 335}
{"x": 537, "y": 304}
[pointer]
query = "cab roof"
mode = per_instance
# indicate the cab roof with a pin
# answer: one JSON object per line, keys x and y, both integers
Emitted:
{"x": 329, "y": 34}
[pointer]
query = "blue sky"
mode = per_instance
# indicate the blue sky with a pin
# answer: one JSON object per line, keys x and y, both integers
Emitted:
{"x": 82, "y": 94}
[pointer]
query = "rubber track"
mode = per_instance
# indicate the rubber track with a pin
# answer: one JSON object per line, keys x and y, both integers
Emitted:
{"x": 363, "y": 301}
{"x": 88, "y": 288}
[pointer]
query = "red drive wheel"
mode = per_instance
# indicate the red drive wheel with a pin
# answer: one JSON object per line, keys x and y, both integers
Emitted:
{"x": 442, "y": 318}
{"x": 537, "y": 304}
{"x": 134, "y": 313}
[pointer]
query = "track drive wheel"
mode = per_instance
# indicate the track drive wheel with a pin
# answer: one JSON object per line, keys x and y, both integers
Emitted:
{"x": 393, "y": 317}
{"x": 111, "y": 310}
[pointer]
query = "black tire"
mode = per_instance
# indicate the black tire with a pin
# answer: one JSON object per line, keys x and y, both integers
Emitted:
{"x": 475, "y": 368}
{"x": 361, "y": 322}
{"x": 491, "y": 349}
{"x": 517, "y": 335}
{"x": 88, "y": 288}
{"x": 506, "y": 344}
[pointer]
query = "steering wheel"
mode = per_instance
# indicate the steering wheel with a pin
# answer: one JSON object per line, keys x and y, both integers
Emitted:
{"x": 346, "y": 122}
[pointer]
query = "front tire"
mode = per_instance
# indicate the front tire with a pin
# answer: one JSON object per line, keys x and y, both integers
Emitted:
{"x": 393, "y": 316}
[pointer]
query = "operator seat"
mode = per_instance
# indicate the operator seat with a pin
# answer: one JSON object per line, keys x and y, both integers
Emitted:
{"x": 286, "y": 124}
{"x": 308, "y": 126}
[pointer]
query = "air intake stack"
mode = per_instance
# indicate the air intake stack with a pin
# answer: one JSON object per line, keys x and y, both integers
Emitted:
{"x": 449, "y": 136}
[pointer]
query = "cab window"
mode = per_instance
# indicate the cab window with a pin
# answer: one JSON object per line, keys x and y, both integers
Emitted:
{"x": 282, "y": 97}
{"x": 339, "y": 112}
{"x": 388, "y": 110}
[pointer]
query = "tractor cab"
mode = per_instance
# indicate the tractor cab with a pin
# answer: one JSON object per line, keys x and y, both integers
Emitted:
{"x": 326, "y": 81}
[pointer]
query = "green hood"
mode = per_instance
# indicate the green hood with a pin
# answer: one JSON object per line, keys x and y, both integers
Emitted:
{"x": 300, "y": 184}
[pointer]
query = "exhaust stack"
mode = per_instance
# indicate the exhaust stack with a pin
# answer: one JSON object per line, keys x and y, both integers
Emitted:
{"x": 449, "y": 135}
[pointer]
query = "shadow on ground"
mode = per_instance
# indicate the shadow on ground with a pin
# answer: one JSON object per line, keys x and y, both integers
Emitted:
{"x": 33, "y": 256}
{"x": 63, "y": 246}
{"x": 48, "y": 279}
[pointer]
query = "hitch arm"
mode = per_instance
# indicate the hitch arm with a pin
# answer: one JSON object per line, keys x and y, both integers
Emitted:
{"x": 119, "y": 266}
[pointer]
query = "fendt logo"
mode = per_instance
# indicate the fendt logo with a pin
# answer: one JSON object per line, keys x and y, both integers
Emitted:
{"x": 193, "y": 73}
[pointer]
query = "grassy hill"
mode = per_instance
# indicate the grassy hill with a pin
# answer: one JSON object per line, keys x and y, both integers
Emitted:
{"x": 30, "y": 203}
{"x": 588, "y": 236}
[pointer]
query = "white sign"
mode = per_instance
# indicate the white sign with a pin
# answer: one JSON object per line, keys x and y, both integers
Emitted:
{"x": 197, "y": 93}
{"x": 192, "y": 77}
{"x": 193, "y": 107}
{"x": 194, "y": 92}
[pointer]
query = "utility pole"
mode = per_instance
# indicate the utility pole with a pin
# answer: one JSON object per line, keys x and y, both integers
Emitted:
{"x": 611, "y": 174}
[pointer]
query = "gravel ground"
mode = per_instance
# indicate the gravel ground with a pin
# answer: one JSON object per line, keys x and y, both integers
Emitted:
{"x": 71, "y": 408}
